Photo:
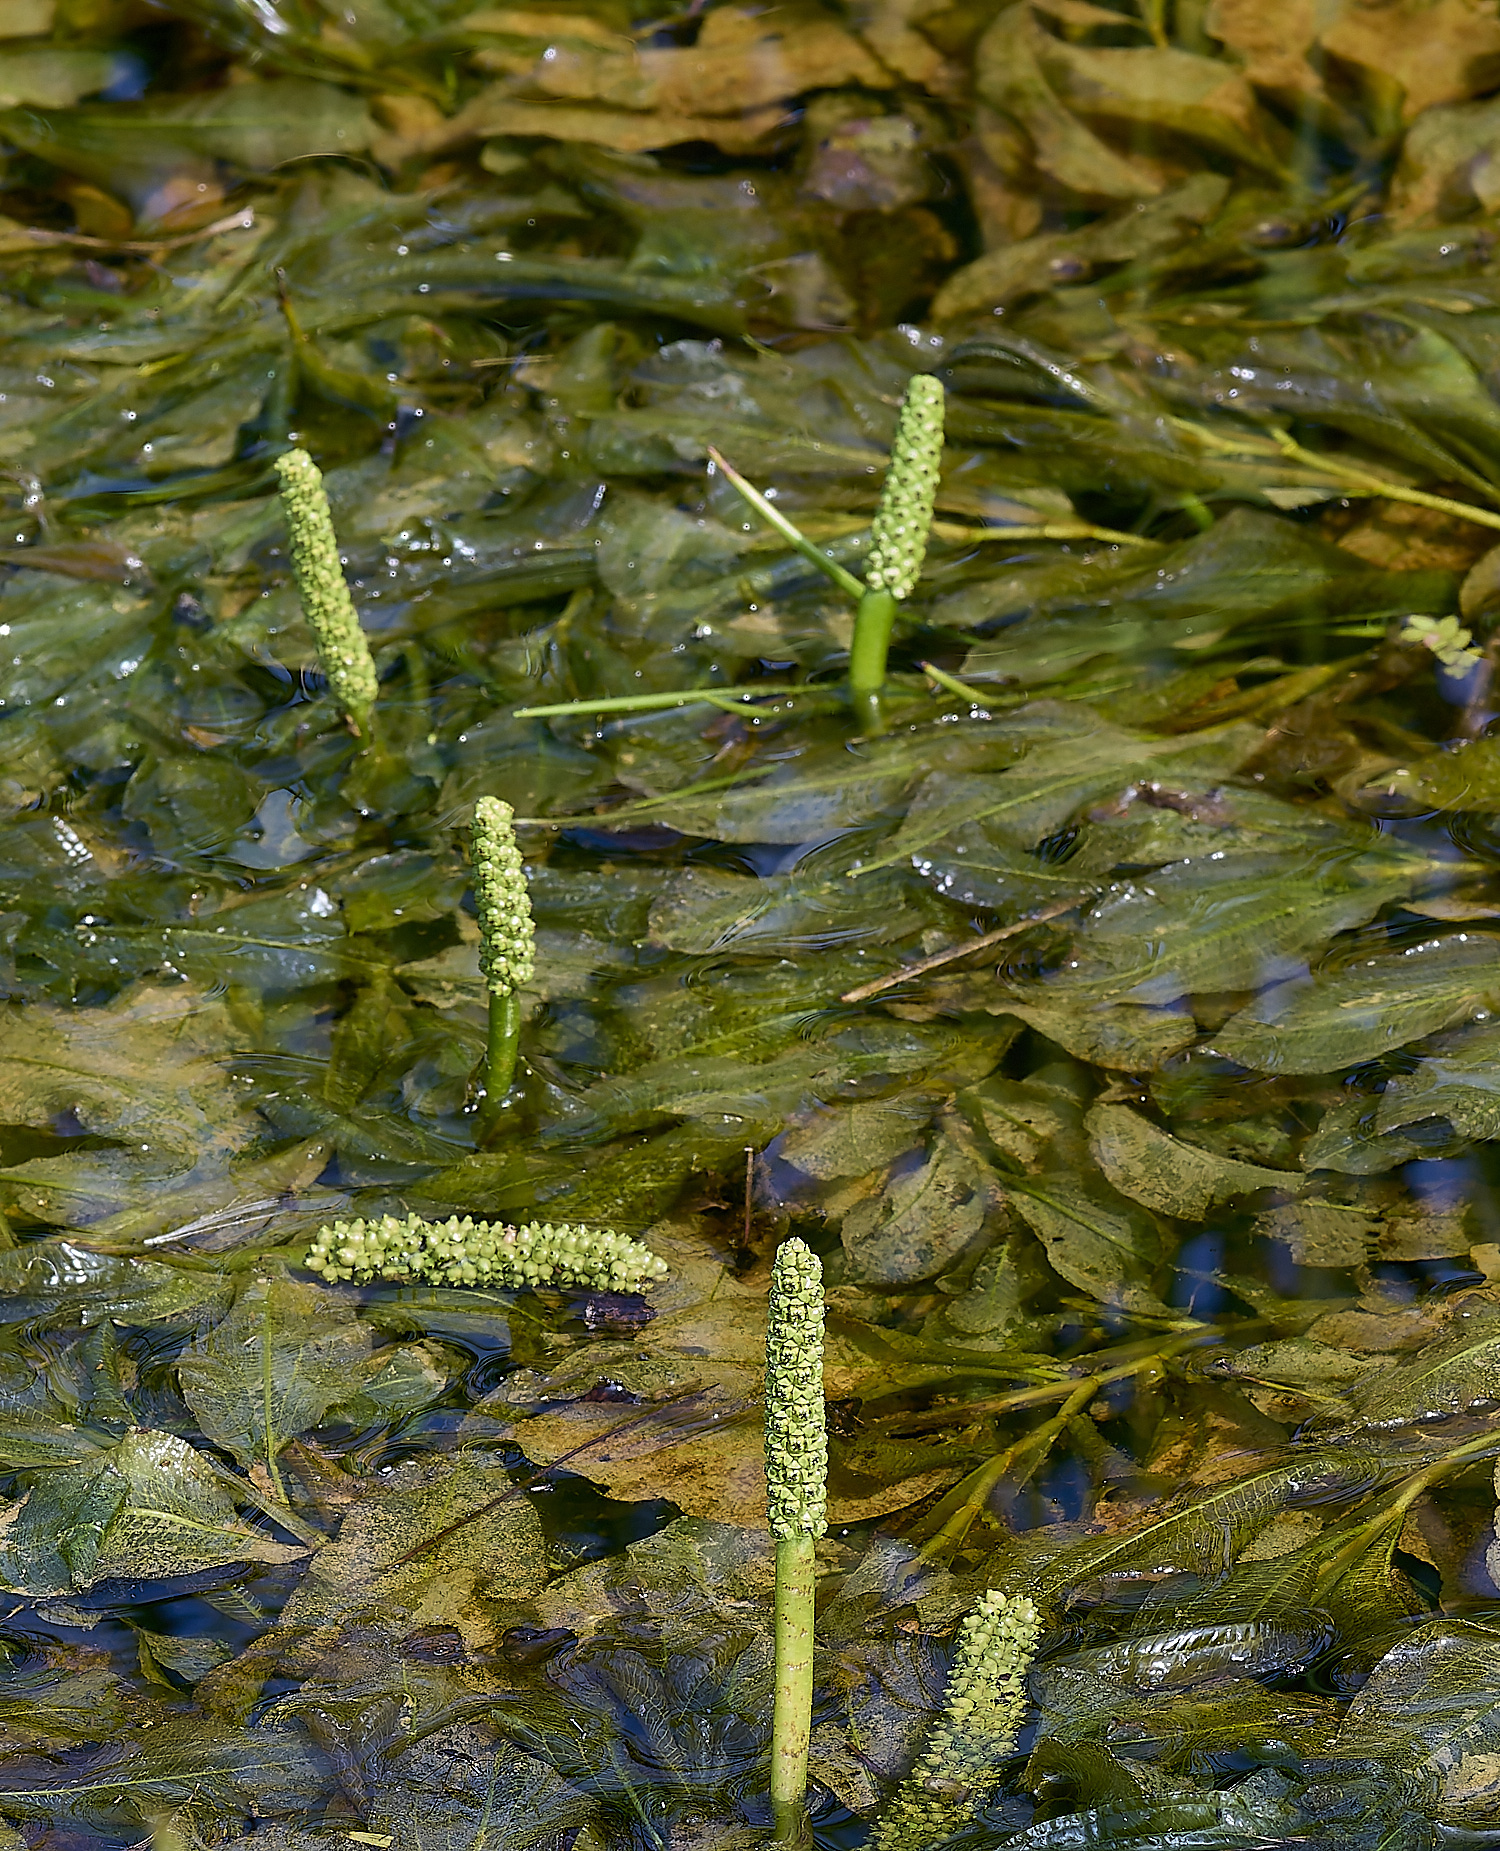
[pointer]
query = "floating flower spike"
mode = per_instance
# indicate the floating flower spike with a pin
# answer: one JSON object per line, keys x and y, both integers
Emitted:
{"x": 468, "y": 1252}
{"x": 960, "y": 1765}
{"x": 797, "y": 1509}
{"x": 342, "y": 647}
{"x": 507, "y": 953}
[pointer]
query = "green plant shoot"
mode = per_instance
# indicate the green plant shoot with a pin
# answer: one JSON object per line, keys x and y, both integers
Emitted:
{"x": 507, "y": 951}
{"x": 898, "y": 539}
{"x": 961, "y": 1762}
{"x": 796, "y": 1505}
{"x": 343, "y": 650}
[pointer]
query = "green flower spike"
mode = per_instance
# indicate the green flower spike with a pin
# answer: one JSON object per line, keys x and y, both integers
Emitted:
{"x": 468, "y": 1252}
{"x": 898, "y": 540}
{"x": 797, "y": 1508}
{"x": 959, "y": 1767}
{"x": 343, "y": 649}
{"x": 507, "y": 953}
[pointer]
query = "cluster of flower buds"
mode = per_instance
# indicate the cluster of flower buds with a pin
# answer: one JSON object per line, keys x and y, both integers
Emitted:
{"x": 962, "y": 1762}
{"x": 903, "y": 520}
{"x": 469, "y": 1252}
{"x": 343, "y": 649}
{"x": 507, "y": 952}
{"x": 796, "y": 1419}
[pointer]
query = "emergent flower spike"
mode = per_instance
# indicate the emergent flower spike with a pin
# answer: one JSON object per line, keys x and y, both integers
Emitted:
{"x": 959, "y": 1767}
{"x": 343, "y": 649}
{"x": 898, "y": 534}
{"x": 796, "y": 1432}
{"x": 467, "y": 1252}
{"x": 507, "y": 953}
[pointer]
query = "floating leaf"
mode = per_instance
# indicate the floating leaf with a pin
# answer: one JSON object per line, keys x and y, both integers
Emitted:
{"x": 1367, "y": 1009}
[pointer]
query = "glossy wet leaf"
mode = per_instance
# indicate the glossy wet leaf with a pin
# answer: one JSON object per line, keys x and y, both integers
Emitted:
{"x": 273, "y": 1367}
{"x": 150, "y": 1507}
{"x": 1368, "y": 1009}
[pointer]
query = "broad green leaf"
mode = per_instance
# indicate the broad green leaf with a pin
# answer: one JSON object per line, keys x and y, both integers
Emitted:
{"x": 1105, "y": 1245}
{"x": 52, "y": 1277}
{"x": 1456, "y": 1081}
{"x": 1230, "y": 925}
{"x": 186, "y": 1760}
{"x": 705, "y": 911}
{"x": 1164, "y": 1173}
{"x": 1430, "y": 1714}
{"x": 1366, "y": 1009}
{"x": 149, "y": 1508}
{"x": 852, "y": 1140}
{"x": 144, "y": 1071}
{"x": 924, "y": 1217}
{"x": 1445, "y": 1378}
{"x": 473, "y": 1540}
{"x": 1203, "y": 1533}
{"x": 273, "y": 1367}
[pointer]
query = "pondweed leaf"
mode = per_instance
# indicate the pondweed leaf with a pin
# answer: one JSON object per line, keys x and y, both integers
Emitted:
{"x": 1428, "y": 1716}
{"x": 1234, "y": 924}
{"x": 273, "y": 1367}
{"x": 1366, "y": 1009}
{"x": 1166, "y": 1174}
{"x": 1454, "y": 1081}
{"x": 453, "y": 1540}
{"x": 148, "y": 1508}
{"x": 1106, "y": 1246}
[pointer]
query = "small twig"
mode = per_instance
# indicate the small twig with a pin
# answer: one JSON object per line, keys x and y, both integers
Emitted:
{"x": 730, "y": 699}
{"x": 140, "y": 247}
{"x": 749, "y": 1187}
{"x": 951, "y": 684}
{"x": 954, "y": 952}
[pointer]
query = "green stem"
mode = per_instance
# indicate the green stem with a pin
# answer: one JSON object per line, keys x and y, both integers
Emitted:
{"x": 872, "y": 641}
{"x": 500, "y": 1052}
{"x": 773, "y": 517}
{"x": 791, "y": 1722}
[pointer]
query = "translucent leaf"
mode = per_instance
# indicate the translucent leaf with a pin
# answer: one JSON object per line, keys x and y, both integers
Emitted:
{"x": 150, "y": 1508}
{"x": 1431, "y": 1713}
{"x": 1229, "y": 925}
{"x": 924, "y": 1217}
{"x": 273, "y": 1367}
{"x": 1107, "y": 1247}
{"x": 474, "y": 1544}
{"x": 1365, "y": 1010}
{"x": 1445, "y": 1378}
{"x": 1166, "y": 1174}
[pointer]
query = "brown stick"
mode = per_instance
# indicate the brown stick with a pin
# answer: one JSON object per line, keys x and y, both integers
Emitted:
{"x": 921, "y": 968}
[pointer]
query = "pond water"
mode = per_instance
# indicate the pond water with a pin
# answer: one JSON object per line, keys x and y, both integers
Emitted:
{"x": 1116, "y": 1018}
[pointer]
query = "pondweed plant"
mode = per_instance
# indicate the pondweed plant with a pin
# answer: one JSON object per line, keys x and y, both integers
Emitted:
{"x": 898, "y": 540}
{"x": 507, "y": 952}
{"x": 961, "y": 1764}
{"x": 343, "y": 649}
{"x": 462, "y": 1251}
{"x": 898, "y": 545}
{"x": 797, "y": 1511}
